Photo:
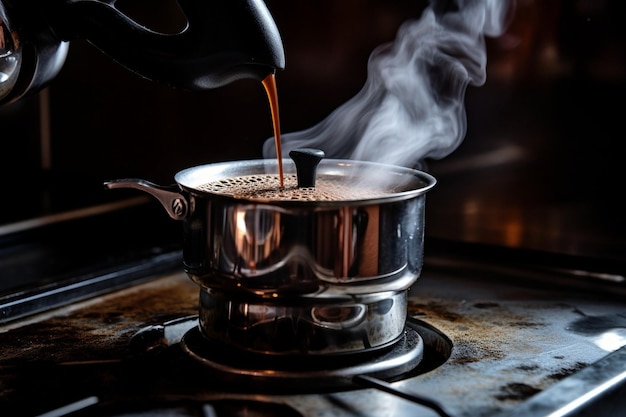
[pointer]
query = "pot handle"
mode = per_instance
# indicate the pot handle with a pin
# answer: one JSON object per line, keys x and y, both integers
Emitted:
{"x": 169, "y": 196}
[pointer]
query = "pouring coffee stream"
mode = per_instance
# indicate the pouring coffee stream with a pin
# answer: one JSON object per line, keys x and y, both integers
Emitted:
{"x": 269, "y": 83}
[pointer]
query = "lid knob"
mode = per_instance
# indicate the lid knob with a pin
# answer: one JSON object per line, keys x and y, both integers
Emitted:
{"x": 306, "y": 160}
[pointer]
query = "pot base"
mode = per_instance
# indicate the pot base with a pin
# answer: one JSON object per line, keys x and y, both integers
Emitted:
{"x": 286, "y": 328}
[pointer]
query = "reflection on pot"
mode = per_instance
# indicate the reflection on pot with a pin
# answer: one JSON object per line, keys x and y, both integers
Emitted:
{"x": 254, "y": 236}
{"x": 367, "y": 324}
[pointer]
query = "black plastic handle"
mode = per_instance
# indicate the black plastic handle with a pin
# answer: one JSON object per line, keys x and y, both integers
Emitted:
{"x": 306, "y": 161}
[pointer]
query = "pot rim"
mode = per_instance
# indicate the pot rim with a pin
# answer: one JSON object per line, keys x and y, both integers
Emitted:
{"x": 414, "y": 182}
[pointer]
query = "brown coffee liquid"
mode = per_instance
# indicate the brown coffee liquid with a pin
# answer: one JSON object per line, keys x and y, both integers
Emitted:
{"x": 262, "y": 187}
{"x": 270, "y": 87}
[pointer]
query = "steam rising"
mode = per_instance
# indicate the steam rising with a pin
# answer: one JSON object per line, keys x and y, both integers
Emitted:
{"x": 411, "y": 106}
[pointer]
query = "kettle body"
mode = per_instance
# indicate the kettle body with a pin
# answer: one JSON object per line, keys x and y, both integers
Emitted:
{"x": 223, "y": 41}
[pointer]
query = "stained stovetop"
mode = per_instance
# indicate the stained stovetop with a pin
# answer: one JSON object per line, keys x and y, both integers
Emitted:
{"x": 524, "y": 342}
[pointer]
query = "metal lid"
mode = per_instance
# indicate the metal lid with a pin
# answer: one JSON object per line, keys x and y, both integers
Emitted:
{"x": 392, "y": 182}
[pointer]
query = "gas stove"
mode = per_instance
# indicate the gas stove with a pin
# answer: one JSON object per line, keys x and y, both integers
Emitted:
{"x": 519, "y": 310}
{"x": 509, "y": 337}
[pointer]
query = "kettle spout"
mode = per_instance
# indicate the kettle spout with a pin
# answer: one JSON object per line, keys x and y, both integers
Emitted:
{"x": 223, "y": 41}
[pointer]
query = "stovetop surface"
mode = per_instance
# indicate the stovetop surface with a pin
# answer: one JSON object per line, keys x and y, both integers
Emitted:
{"x": 520, "y": 346}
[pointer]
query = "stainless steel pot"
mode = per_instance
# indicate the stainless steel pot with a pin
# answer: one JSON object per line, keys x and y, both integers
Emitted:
{"x": 289, "y": 277}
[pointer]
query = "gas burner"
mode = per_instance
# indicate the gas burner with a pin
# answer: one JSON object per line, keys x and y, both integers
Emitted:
{"x": 420, "y": 349}
{"x": 331, "y": 371}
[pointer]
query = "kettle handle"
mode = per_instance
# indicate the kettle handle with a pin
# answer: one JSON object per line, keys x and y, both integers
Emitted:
{"x": 224, "y": 40}
{"x": 169, "y": 196}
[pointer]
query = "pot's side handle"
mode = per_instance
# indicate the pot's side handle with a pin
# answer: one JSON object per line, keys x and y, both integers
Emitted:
{"x": 169, "y": 196}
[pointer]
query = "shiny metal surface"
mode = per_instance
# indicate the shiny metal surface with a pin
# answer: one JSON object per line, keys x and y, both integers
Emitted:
{"x": 325, "y": 249}
{"x": 597, "y": 390}
{"x": 366, "y": 245}
{"x": 305, "y": 327}
{"x": 10, "y": 53}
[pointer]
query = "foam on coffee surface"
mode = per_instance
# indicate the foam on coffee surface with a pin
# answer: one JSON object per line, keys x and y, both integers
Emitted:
{"x": 265, "y": 187}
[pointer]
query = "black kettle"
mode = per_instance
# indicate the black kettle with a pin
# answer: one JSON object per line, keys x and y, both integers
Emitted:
{"x": 223, "y": 41}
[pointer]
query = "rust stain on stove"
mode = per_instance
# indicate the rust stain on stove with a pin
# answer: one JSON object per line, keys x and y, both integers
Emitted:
{"x": 528, "y": 368}
{"x": 433, "y": 309}
{"x": 506, "y": 345}
{"x": 101, "y": 328}
{"x": 486, "y": 305}
{"x": 565, "y": 372}
{"x": 516, "y": 391}
{"x": 475, "y": 351}
{"x": 479, "y": 330}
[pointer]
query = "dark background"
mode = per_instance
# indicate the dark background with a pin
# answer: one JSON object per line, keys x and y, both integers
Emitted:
{"x": 541, "y": 166}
